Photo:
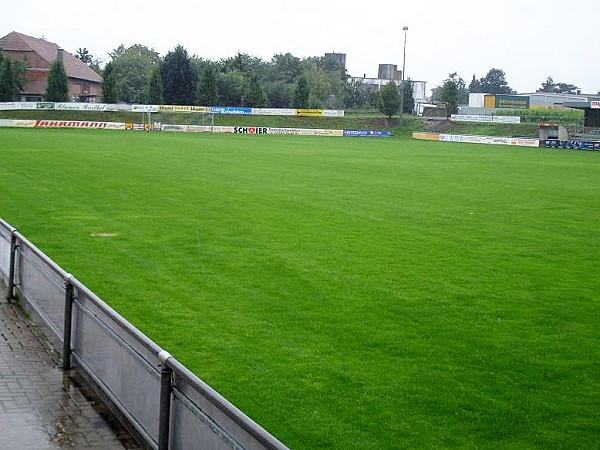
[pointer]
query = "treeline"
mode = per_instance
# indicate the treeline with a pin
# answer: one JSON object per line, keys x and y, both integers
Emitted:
{"x": 138, "y": 74}
{"x": 12, "y": 78}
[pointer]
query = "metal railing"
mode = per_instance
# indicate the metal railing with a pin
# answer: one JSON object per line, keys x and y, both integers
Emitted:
{"x": 167, "y": 406}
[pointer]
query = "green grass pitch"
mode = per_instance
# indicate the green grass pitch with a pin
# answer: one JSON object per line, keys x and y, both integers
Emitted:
{"x": 344, "y": 293}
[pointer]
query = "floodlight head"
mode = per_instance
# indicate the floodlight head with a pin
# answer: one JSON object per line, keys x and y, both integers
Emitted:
{"x": 405, "y": 28}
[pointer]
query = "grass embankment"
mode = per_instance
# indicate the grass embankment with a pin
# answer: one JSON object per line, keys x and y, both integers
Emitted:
{"x": 346, "y": 293}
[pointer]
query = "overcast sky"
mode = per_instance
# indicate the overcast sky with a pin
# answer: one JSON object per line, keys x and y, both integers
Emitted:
{"x": 528, "y": 40}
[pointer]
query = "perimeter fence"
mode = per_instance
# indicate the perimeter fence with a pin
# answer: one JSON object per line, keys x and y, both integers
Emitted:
{"x": 162, "y": 402}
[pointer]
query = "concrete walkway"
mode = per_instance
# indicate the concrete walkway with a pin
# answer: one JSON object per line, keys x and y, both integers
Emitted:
{"x": 40, "y": 406}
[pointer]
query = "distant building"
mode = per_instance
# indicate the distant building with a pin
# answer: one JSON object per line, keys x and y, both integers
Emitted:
{"x": 389, "y": 72}
{"x": 553, "y": 99}
{"x": 84, "y": 84}
{"x": 375, "y": 84}
{"x": 535, "y": 99}
{"x": 339, "y": 57}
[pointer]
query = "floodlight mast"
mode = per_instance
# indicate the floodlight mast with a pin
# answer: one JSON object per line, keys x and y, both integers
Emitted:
{"x": 405, "y": 29}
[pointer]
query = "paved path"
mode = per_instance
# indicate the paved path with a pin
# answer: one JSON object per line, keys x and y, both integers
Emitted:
{"x": 40, "y": 407}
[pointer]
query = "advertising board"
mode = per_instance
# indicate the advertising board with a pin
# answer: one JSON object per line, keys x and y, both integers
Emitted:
{"x": 230, "y": 110}
{"x": 491, "y": 140}
{"x": 183, "y": 108}
{"x": 79, "y": 124}
{"x": 572, "y": 144}
{"x": 273, "y": 112}
{"x": 11, "y": 106}
{"x": 17, "y": 123}
{"x": 484, "y": 119}
{"x": 144, "y": 108}
{"x": 512, "y": 101}
{"x": 368, "y": 133}
{"x": 71, "y": 106}
{"x": 309, "y": 112}
{"x": 424, "y": 136}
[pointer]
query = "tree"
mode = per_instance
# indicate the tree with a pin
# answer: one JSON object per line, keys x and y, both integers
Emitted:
{"x": 87, "y": 58}
{"x": 301, "y": 94}
{"x": 133, "y": 68}
{"x": 244, "y": 64}
{"x": 566, "y": 88}
{"x": 280, "y": 79}
{"x": 84, "y": 55}
{"x": 360, "y": 96}
{"x": 462, "y": 96}
{"x": 208, "y": 86}
{"x": 254, "y": 95}
{"x": 557, "y": 88}
{"x": 463, "y": 92}
{"x": 449, "y": 95}
{"x": 231, "y": 88}
{"x": 285, "y": 67}
{"x": 110, "y": 91}
{"x": 279, "y": 94}
{"x": 8, "y": 83}
{"x": 325, "y": 77}
{"x": 58, "y": 83}
{"x": 475, "y": 86}
{"x": 154, "y": 96}
{"x": 548, "y": 86}
{"x": 389, "y": 99}
{"x": 495, "y": 83}
{"x": 408, "y": 100}
{"x": 178, "y": 77}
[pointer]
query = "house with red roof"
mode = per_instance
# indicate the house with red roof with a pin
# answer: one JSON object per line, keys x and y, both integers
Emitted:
{"x": 39, "y": 54}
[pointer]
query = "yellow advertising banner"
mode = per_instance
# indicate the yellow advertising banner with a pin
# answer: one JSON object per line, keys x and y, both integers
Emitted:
{"x": 309, "y": 112}
{"x": 183, "y": 108}
{"x": 426, "y": 136}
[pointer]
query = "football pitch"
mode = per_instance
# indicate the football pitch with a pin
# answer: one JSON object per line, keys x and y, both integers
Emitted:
{"x": 345, "y": 293}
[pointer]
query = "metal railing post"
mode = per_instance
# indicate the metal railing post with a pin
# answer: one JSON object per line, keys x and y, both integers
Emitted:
{"x": 166, "y": 375}
{"x": 11, "y": 269}
{"x": 68, "y": 323}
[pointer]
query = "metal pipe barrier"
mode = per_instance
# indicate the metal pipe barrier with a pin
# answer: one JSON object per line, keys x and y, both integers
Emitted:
{"x": 167, "y": 406}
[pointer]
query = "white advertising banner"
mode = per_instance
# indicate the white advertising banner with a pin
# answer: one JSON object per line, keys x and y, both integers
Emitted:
{"x": 507, "y": 119}
{"x": 17, "y": 123}
{"x": 595, "y": 104}
{"x": 183, "y": 108}
{"x": 11, "y": 106}
{"x": 68, "y": 106}
{"x": 144, "y": 108}
{"x": 286, "y": 131}
{"x": 79, "y": 124}
{"x": 197, "y": 128}
{"x": 273, "y": 112}
{"x": 492, "y": 140}
{"x": 484, "y": 119}
{"x": 333, "y": 113}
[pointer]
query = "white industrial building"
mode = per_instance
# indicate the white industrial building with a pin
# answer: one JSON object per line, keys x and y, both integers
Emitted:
{"x": 390, "y": 72}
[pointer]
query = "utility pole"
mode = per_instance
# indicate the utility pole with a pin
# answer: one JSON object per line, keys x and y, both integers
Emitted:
{"x": 405, "y": 29}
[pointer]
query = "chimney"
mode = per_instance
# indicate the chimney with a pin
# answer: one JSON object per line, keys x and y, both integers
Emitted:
{"x": 59, "y": 54}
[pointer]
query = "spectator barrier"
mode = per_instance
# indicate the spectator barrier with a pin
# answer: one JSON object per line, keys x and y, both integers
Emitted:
{"x": 167, "y": 406}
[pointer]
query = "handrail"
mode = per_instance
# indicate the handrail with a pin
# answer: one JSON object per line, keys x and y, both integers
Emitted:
{"x": 78, "y": 297}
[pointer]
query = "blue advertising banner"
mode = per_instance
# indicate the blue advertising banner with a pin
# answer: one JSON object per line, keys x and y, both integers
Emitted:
{"x": 575, "y": 145}
{"x": 230, "y": 110}
{"x": 368, "y": 133}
